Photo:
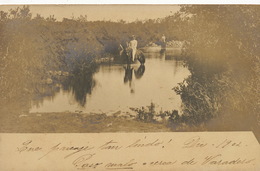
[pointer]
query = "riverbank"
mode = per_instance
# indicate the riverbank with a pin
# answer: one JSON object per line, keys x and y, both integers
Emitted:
{"x": 75, "y": 123}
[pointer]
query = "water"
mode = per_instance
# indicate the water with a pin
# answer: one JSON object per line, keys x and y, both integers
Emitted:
{"x": 119, "y": 87}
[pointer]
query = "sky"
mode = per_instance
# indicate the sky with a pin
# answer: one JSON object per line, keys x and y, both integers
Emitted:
{"x": 128, "y": 13}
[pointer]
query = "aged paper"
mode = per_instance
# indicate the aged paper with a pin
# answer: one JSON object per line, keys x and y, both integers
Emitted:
{"x": 129, "y": 87}
{"x": 131, "y": 151}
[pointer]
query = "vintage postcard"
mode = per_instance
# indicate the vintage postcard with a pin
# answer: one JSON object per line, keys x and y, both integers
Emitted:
{"x": 129, "y": 87}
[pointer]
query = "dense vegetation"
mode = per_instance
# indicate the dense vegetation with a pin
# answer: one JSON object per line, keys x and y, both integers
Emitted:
{"x": 31, "y": 47}
{"x": 222, "y": 54}
{"x": 223, "y": 57}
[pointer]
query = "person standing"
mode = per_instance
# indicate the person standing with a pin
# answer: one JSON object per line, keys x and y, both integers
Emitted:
{"x": 163, "y": 44}
{"x": 133, "y": 47}
{"x": 163, "y": 38}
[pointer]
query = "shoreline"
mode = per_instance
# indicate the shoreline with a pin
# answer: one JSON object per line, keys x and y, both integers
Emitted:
{"x": 66, "y": 122}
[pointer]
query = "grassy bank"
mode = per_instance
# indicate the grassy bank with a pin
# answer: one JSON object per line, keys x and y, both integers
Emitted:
{"x": 74, "y": 123}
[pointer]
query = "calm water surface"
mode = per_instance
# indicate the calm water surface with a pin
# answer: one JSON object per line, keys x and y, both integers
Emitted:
{"x": 119, "y": 87}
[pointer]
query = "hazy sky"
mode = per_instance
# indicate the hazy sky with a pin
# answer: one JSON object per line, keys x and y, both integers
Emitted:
{"x": 99, "y": 12}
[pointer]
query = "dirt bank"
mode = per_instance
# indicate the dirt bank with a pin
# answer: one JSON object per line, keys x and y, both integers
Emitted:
{"x": 75, "y": 123}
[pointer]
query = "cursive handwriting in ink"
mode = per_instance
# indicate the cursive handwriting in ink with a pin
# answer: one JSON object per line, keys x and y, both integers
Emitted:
{"x": 74, "y": 149}
{"x": 162, "y": 163}
{"x": 194, "y": 142}
{"x": 83, "y": 163}
{"x": 110, "y": 145}
{"x": 26, "y": 147}
{"x": 228, "y": 143}
{"x": 217, "y": 160}
{"x": 139, "y": 143}
{"x": 189, "y": 162}
{"x": 126, "y": 165}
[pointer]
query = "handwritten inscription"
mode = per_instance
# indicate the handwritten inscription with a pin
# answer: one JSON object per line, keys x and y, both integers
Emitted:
{"x": 125, "y": 165}
{"x": 162, "y": 163}
{"x": 87, "y": 155}
{"x": 229, "y": 143}
{"x": 194, "y": 142}
{"x": 82, "y": 162}
{"x": 139, "y": 143}
{"x": 216, "y": 160}
{"x": 111, "y": 145}
{"x": 74, "y": 149}
{"x": 198, "y": 142}
{"x": 27, "y": 147}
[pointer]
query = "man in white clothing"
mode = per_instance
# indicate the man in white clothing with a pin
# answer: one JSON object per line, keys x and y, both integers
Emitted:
{"x": 133, "y": 47}
{"x": 163, "y": 38}
{"x": 163, "y": 43}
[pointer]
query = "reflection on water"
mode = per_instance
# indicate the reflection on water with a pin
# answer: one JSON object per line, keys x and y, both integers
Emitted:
{"x": 139, "y": 72}
{"x": 80, "y": 84}
{"x": 118, "y": 87}
{"x": 128, "y": 76}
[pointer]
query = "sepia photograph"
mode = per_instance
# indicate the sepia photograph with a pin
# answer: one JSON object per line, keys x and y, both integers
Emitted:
{"x": 129, "y": 68}
{"x": 129, "y": 87}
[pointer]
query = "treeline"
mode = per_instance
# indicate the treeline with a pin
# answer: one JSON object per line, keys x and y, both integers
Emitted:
{"x": 222, "y": 54}
{"x": 223, "y": 57}
{"x": 32, "y": 46}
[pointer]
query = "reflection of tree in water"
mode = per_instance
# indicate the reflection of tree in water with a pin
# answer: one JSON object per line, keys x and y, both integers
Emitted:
{"x": 81, "y": 82}
{"x": 43, "y": 91}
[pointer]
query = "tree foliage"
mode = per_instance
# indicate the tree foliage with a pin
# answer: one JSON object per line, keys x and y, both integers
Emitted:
{"x": 223, "y": 57}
